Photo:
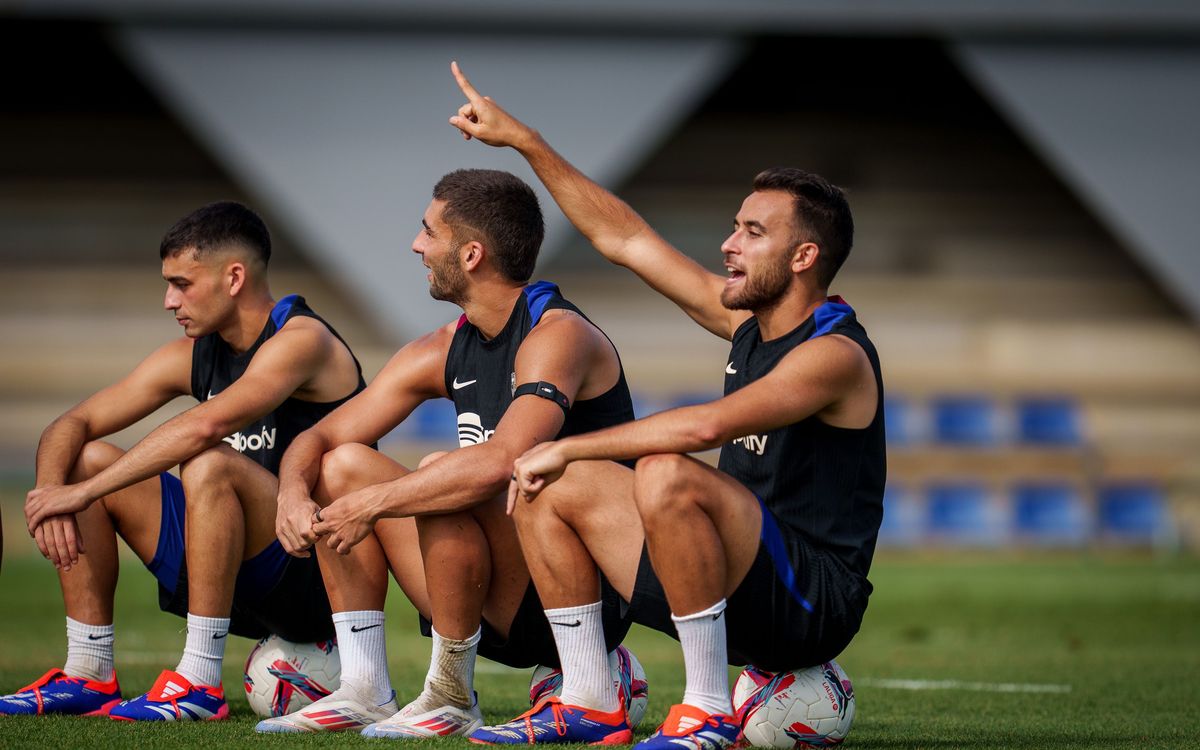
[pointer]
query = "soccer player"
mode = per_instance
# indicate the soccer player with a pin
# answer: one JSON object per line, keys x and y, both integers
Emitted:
{"x": 263, "y": 371}
{"x": 764, "y": 559}
{"x": 522, "y": 365}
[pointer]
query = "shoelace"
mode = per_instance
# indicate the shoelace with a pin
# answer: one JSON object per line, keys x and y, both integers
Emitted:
{"x": 560, "y": 726}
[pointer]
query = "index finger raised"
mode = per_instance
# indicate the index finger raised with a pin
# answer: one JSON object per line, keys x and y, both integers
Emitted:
{"x": 463, "y": 84}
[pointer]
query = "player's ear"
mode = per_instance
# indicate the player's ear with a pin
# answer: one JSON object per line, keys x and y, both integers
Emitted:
{"x": 235, "y": 275}
{"x": 471, "y": 254}
{"x": 804, "y": 256}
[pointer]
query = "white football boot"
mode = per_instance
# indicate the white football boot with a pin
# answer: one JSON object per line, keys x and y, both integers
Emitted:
{"x": 411, "y": 722}
{"x": 342, "y": 710}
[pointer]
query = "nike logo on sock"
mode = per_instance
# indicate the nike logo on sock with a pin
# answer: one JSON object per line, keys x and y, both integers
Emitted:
{"x": 717, "y": 616}
{"x": 98, "y": 637}
{"x": 575, "y": 624}
{"x": 357, "y": 629}
{"x": 218, "y": 636}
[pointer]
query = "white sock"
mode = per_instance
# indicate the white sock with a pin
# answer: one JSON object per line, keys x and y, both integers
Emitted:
{"x": 451, "y": 676}
{"x": 579, "y": 636}
{"x": 205, "y": 649}
{"x": 705, "y": 659}
{"x": 89, "y": 651}
{"x": 363, "y": 650}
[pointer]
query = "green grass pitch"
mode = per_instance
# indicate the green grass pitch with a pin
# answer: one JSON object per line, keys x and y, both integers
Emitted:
{"x": 957, "y": 651}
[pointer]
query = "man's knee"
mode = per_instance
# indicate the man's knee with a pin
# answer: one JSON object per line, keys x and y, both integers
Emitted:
{"x": 342, "y": 468}
{"x": 213, "y": 467}
{"x": 94, "y": 457}
{"x": 431, "y": 458}
{"x": 665, "y": 482}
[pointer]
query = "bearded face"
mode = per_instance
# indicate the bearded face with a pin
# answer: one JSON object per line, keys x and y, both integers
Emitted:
{"x": 761, "y": 285}
{"x": 447, "y": 281}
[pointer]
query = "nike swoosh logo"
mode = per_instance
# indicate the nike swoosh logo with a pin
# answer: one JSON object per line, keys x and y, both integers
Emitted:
{"x": 356, "y": 629}
{"x": 219, "y": 636}
{"x": 729, "y": 369}
{"x": 210, "y": 395}
{"x": 717, "y": 616}
{"x": 575, "y": 624}
{"x": 458, "y": 385}
{"x": 97, "y": 637}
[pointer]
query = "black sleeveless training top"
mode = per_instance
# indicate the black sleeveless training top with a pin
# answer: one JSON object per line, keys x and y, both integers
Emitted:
{"x": 481, "y": 376}
{"x": 823, "y": 482}
{"x": 215, "y": 366}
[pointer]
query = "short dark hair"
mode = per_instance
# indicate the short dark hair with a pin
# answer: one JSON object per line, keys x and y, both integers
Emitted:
{"x": 822, "y": 215}
{"x": 215, "y": 226}
{"x": 498, "y": 209}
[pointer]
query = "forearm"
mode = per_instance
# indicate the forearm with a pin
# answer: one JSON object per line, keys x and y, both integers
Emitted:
{"x": 457, "y": 481}
{"x": 685, "y": 430}
{"x": 301, "y": 464}
{"x": 606, "y": 220}
{"x": 59, "y": 449}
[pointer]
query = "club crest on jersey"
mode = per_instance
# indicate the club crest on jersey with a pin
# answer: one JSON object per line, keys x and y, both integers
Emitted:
{"x": 471, "y": 431}
{"x": 756, "y": 444}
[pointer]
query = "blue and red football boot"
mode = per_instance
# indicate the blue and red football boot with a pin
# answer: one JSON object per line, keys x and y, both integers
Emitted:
{"x": 57, "y": 693}
{"x": 174, "y": 698}
{"x": 552, "y": 721}
{"x": 692, "y": 727}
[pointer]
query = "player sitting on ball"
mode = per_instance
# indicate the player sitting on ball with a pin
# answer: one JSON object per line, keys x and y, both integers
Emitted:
{"x": 522, "y": 365}
{"x": 763, "y": 560}
{"x": 263, "y": 371}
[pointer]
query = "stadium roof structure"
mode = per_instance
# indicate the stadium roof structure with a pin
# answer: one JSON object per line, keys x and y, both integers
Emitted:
{"x": 1103, "y": 90}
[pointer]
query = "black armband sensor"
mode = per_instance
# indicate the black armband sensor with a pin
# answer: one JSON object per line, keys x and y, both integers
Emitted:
{"x": 545, "y": 390}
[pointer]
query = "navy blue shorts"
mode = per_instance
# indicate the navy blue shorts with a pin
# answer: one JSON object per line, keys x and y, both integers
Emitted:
{"x": 796, "y": 607}
{"x": 274, "y": 593}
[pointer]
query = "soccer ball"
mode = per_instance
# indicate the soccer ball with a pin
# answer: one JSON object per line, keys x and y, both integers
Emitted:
{"x": 627, "y": 674}
{"x": 282, "y": 677}
{"x": 811, "y": 707}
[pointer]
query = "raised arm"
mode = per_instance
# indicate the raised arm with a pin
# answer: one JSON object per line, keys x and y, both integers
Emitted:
{"x": 613, "y": 228}
{"x": 413, "y": 375}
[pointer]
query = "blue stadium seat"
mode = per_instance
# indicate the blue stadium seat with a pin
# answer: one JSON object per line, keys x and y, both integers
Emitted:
{"x": 903, "y": 520}
{"x": 1051, "y": 513}
{"x": 963, "y": 513}
{"x": 1048, "y": 421}
{"x": 965, "y": 420}
{"x": 899, "y": 420}
{"x": 1133, "y": 512}
{"x": 435, "y": 420}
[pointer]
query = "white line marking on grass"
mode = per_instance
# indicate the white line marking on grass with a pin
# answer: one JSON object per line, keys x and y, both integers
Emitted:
{"x": 981, "y": 687}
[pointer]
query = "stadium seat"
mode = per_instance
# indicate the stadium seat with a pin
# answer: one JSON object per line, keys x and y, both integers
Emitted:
{"x": 435, "y": 420}
{"x": 1048, "y": 421}
{"x": 1050, "y": 513}
{"x": 1133, "y": 512}
{"x": 965, "y": 513}
{"x": 965, "y": 420}
{"x": 903, "y": 520}
{"x": 899, "y": 417}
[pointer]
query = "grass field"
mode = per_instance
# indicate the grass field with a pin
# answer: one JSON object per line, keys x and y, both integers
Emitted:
{"x": 958, "y": 650}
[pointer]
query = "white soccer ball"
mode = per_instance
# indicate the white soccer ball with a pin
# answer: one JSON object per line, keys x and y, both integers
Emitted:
{"x": 811, "y": 707}
{"x": 282, "y": 677}
{"x": 628, "y": 677}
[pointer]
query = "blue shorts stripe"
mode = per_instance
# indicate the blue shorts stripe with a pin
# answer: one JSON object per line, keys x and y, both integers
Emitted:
{"x": 772, "y": 539}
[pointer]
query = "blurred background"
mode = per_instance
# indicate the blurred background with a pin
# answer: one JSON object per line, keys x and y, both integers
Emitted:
{"x": 1022, "y": 176}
